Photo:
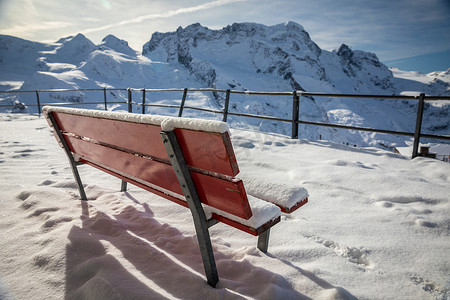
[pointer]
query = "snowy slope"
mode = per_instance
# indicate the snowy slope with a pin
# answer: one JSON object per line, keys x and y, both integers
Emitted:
{"x": 19, "y": 59}
{"x": 376, "y": 227}
{"x": 250, "y": 56}
{"x": 242, "y": 56}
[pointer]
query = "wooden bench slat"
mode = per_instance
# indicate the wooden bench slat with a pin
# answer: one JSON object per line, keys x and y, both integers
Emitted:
{"x": 138, "y": 183}
{"x": 245, "y": 228}
{"x": 226, "y": 195}
{"x": 289, "y": 210}
{"x": 212, "y": 152}
{"x": 146, "y": 169}
{"x": 115, "y": 132}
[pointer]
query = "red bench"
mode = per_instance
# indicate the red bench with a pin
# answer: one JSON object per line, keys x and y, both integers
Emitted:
{"x": 188, "y": 161}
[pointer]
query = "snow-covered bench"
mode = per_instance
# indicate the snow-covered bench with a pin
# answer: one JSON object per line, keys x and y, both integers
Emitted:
{"x": 188, "y": 161}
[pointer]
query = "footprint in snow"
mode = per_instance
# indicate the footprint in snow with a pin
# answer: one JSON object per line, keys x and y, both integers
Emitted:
{"x": 40, "y": 211}
{"x": 437, "y": 290}
{"x": 408, "y": 200}
{"x": 419, "y": 209}
{"x": 354, "y": 255}
{"x": 425, "y": 223}
{"x": 21, "y": 155}
{"x": 352, "y": 164}
{"x": 248, "y": 145}
{"x": 46, "y": 182}
{"x": 23, "y": 195}
{"x": 50, "y": 224}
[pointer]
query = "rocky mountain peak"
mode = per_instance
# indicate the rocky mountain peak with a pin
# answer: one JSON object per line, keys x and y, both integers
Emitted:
{"x": 72, "y": 49}
{"x": 116, "y": 44}
{"x": 345, "y": 52}
{"x": 76, "y": 40}
{"x": 281, "y": 46}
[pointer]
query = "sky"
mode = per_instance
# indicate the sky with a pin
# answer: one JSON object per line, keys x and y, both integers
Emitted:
{"x": 412, "y": 35}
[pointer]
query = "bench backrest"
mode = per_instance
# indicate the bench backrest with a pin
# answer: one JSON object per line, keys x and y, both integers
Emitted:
{"x": 130, "y": 147}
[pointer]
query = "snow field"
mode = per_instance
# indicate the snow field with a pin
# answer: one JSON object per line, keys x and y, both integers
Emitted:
{"x": 376, "y": 227}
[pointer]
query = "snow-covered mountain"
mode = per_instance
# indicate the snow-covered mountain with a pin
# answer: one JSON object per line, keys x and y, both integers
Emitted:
{"x": 242, "y": 56}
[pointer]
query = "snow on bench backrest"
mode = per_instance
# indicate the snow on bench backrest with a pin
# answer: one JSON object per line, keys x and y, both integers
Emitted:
{"x": 212, "y": 152}
{"x": 106, "y": 139}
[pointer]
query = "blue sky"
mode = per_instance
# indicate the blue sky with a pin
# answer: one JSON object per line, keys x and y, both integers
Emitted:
{"x": 409, "y": 34}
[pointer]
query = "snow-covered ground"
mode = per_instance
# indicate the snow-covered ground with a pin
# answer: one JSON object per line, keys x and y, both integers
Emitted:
{"x": 377, "y": 226}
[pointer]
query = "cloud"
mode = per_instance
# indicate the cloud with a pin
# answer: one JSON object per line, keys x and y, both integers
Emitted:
{"x": 26, "y": 29}
{"x": 167, "y": 14}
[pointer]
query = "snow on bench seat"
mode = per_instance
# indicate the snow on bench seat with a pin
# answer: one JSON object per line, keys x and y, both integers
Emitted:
{"x": 263, "y": 213}
{"x": 269, "y": 187}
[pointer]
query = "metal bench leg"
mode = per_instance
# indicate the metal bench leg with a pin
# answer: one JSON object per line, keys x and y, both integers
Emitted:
{"x": 73, "y": 163}
{"x": 263, "y": 240}
{"x": 123, "y": 187}
{"x": 77, "y": 177}
{"x": 201, "y": 227}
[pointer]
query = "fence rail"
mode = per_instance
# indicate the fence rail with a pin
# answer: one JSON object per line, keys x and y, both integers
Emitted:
{"x": 294, "y": 120}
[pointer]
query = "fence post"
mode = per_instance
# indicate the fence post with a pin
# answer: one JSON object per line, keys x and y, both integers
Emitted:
{"x": 38, "y": 103}
{"x": 295, "y": 114}
{"x": 180, "y": 112}
{"x": 225, "y": 109}
{"x": 130, "y": 108}
{"x": 418, "y": 125}
{"x": 143, "y": 101}
{"x": 104, "y": 98}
